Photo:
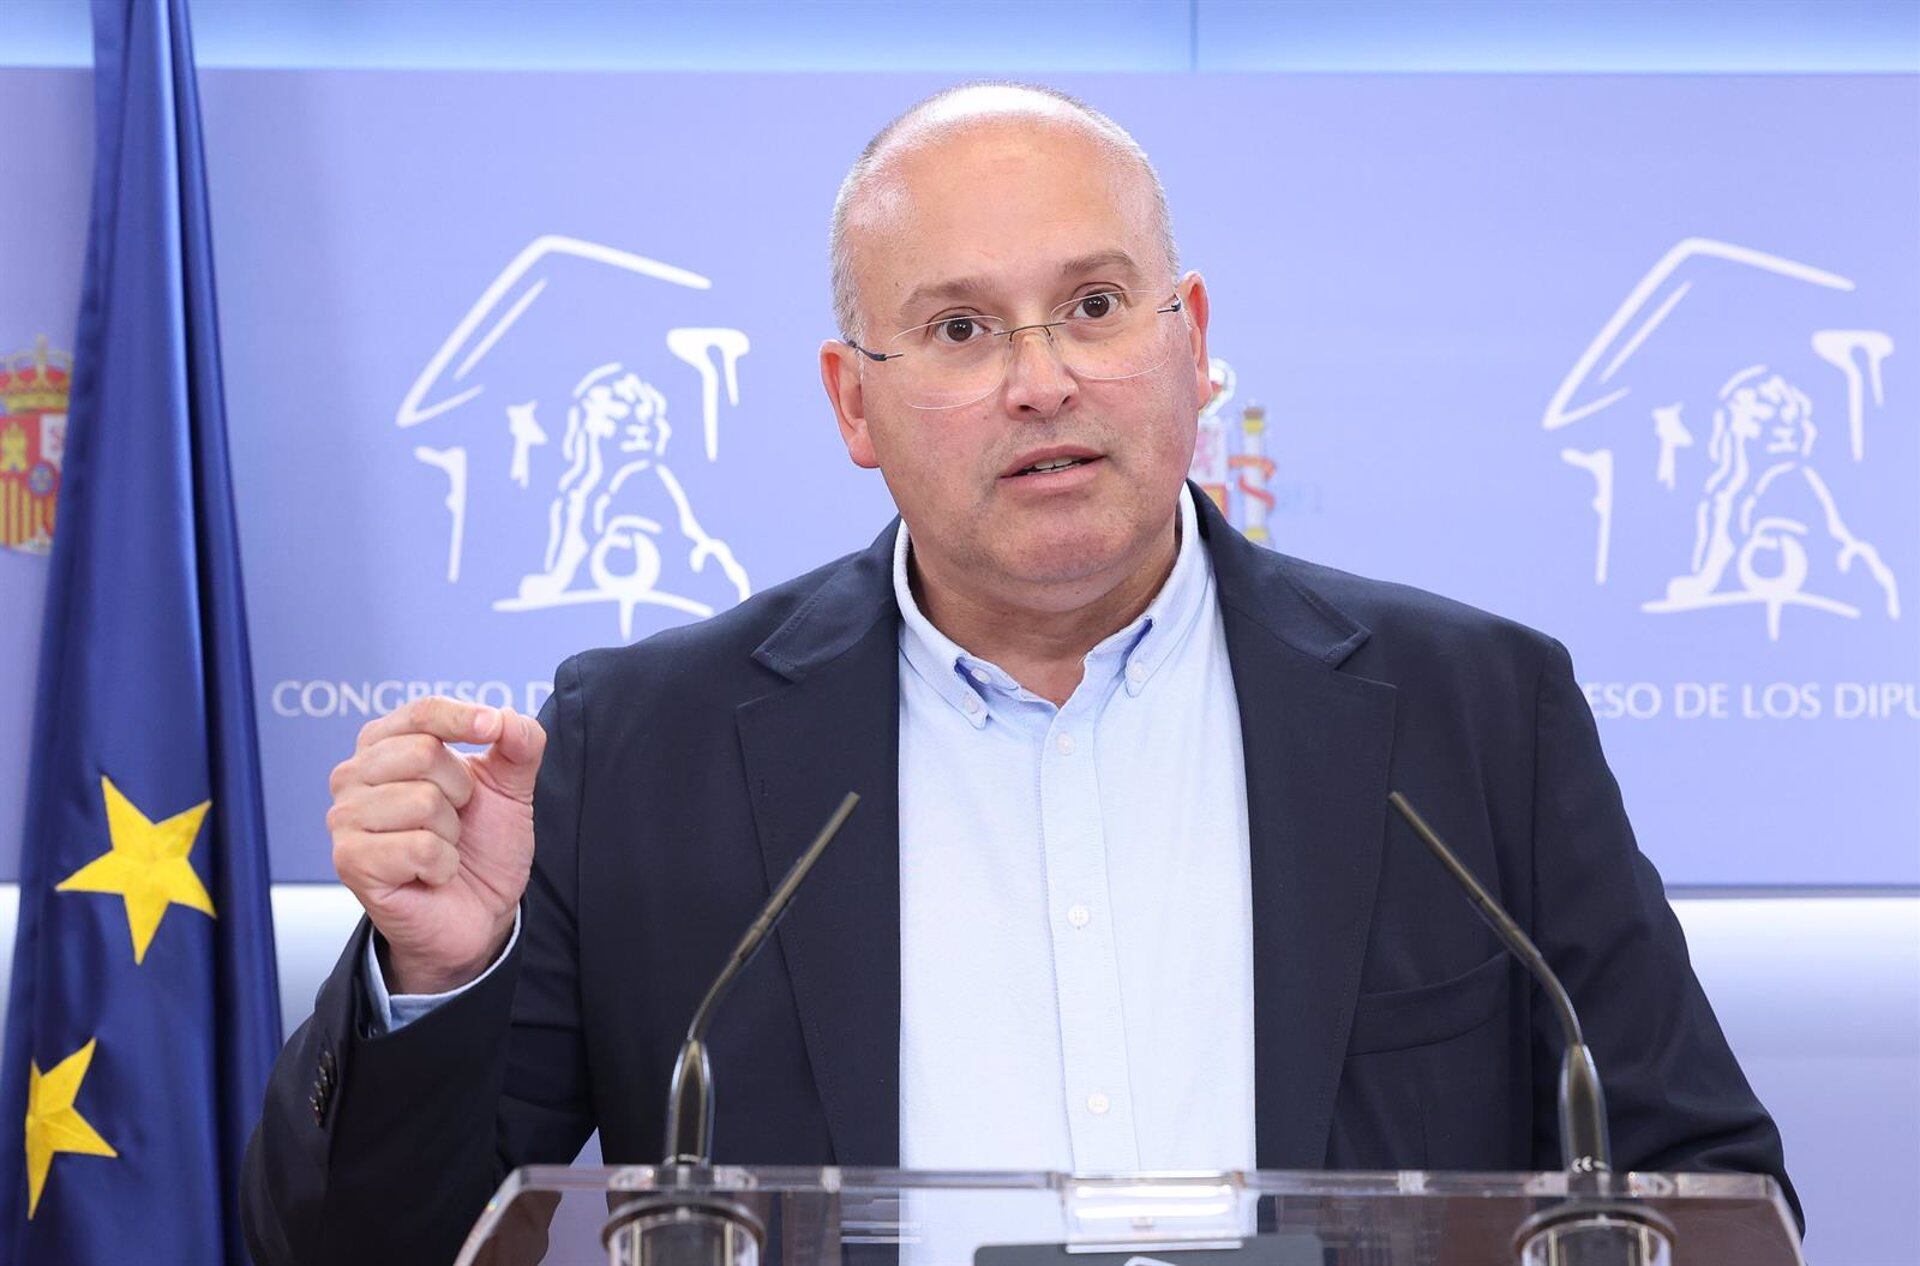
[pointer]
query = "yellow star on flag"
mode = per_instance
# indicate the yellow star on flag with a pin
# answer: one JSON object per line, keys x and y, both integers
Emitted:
{"x": 147, "y": 866}
{"x": 53, "y": 1125}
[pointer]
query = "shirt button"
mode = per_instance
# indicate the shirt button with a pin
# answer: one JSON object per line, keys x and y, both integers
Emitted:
{"x": 1065, "y": 744}
{"x": 1136, "y": 673}
{"x": 1098, "y": 1104}
{"x": 978, "y": 674}
{"x": 970, "y": 704}
{"x": 1079, "y": 916}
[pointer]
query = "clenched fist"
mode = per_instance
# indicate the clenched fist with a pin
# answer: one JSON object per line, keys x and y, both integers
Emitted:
{"x": 438, "y": 845}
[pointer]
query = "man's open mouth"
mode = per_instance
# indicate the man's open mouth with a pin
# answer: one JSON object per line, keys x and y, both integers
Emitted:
{"x": 1058, "y": 463}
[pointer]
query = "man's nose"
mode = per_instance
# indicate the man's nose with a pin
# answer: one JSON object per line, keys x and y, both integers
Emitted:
{"x": 1037, "y": 379}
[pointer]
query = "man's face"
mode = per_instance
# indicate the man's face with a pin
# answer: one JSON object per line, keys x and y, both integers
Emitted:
{"x": 1012, "y": 220}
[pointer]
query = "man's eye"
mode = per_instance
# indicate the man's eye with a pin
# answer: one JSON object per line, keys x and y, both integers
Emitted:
{"x": 1096, "y": 307}
{"x": 957, "y": 330}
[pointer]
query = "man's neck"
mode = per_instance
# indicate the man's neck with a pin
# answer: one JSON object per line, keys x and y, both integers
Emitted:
{"x": 1044, "y": 646}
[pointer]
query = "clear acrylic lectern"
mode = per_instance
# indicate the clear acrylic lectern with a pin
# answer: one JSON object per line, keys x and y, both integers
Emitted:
{"x": 667, "y": 1215}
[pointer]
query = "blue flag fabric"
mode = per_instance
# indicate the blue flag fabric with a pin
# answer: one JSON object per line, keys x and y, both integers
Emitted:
{"x": 144, "y": 1014}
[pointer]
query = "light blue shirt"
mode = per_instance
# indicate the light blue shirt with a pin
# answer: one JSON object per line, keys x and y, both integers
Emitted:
{"x": 1076, "y": 926}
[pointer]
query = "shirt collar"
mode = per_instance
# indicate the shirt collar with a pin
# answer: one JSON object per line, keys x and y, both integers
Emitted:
{"x": 968, "y": 683}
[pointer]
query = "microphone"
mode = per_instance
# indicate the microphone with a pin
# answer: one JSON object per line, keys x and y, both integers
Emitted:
{"x": 675, "y": 1222}
{"x": 1593, "y": 1227}
{"x": 1584, "y": 1145}
{"x": 690, "y": 1101}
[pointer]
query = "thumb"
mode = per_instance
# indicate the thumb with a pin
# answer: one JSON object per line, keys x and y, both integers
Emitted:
{"x": 513, "y": 762}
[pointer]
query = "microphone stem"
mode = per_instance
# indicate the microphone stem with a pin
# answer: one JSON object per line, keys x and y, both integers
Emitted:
{"x": 1584, "y": 1145}
{"x": 757, "y": 931}
{"x": 690, "y": 1100}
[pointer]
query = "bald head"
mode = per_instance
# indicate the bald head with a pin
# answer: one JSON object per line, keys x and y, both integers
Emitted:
{"x": 875, "y": 186}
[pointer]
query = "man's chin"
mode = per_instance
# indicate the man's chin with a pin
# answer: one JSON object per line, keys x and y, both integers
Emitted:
{"x": 1065, "y": 558}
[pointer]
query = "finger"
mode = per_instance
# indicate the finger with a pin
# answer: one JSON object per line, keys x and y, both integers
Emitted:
{"x": 513, "y": 763}
{"x": 393, "y": 859}
{"x": 412, "y": 758}
{"x": 521, "y": 739}
{"x": 396, "y": 806}
{"x": 444, "y": 718}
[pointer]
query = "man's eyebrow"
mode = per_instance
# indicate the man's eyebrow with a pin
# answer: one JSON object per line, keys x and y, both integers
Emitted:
{"x": 959, "y": 288}
{"x": 1098, "y": 261}
{"x": 975, "y": 287}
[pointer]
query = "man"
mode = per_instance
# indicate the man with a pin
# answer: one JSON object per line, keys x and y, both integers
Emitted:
{"x": 1122, "y": 892}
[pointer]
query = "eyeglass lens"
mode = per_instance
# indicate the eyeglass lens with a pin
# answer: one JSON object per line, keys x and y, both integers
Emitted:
{"x": 1103, "y": 336}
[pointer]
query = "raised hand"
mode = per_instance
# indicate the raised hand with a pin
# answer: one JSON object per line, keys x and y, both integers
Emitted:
{"x": 437, "y": 845}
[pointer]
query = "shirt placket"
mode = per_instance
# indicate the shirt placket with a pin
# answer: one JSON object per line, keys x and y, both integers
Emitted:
{"x": 1093, "y": 1047}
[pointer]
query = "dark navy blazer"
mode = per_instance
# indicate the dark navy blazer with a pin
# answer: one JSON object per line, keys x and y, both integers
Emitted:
{"x": 684, "y": 774}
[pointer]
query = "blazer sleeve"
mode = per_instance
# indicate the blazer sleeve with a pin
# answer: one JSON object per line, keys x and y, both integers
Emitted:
{"x": 378, "y": 1148}
{"x": 1676, "y": 1097}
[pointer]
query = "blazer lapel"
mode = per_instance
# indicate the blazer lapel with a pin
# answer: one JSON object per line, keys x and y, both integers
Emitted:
{"x": 831, "y": 730}
{"x": 1317, "y": 744}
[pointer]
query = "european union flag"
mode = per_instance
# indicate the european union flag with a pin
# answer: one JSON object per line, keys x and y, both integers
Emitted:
{"x": 144, "y": 1013}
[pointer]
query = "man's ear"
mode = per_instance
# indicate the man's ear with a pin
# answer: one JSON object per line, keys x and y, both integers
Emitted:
{"x": 1192, "y": 290}
{"x": 840, "y": 375}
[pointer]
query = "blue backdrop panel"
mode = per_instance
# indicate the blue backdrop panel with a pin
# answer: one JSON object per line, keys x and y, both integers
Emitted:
{"x": 519, "y": 363}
